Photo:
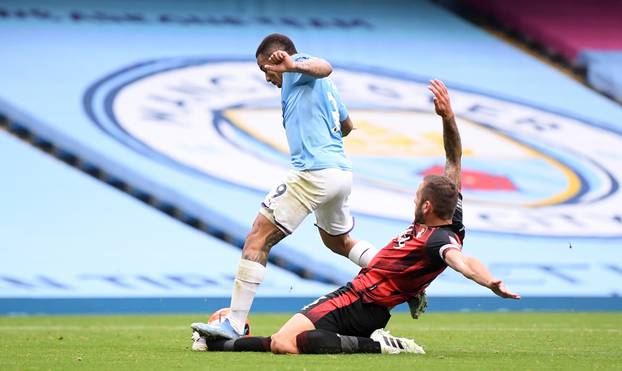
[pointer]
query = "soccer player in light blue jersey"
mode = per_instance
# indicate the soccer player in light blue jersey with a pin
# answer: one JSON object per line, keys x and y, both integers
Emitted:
{"x": 315, "y": 121}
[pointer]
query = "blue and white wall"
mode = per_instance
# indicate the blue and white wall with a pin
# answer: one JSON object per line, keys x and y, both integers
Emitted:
{"x": 167, "y": 98}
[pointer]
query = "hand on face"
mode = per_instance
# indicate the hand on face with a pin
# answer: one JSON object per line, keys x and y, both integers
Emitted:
{"x": 275, "y": 78}
{"x": 280, "y": 62}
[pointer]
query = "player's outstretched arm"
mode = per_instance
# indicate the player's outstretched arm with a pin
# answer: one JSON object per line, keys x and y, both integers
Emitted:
{"x": 283, "y": 62}
{"x": 451, "y": 135}
{"x": 476, "y": 271}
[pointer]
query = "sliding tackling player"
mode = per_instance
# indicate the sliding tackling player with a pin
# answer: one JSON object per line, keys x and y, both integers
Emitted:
{"x": 351, "y": 319}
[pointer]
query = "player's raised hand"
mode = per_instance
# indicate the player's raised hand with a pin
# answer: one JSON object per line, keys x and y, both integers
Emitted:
{"x": 280, "y": 62}
{"x": 498, "y": 287}
{"x": 442, "y": 105}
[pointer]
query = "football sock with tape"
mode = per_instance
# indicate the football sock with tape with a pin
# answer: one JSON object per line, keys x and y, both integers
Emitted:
{"x": 248, "y": 278}
{"x": 325, "y": 342}
{"x": 243, "y": 344}
{"x": 362, "y": 253}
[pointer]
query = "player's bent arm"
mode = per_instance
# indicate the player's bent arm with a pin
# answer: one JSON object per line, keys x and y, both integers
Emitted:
{"x": 346, "y": 126}
{"x": 475, "y": 270}
{"x": 315, "y": 67}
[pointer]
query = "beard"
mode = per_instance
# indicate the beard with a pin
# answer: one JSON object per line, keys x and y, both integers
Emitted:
{"x": 418, "y": 214}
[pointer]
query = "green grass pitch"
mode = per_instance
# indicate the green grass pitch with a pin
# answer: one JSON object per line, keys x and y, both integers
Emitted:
{"x": 482, "y": 341}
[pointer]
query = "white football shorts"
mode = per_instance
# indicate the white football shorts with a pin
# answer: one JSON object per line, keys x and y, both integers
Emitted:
{"x": 324, "y": 192}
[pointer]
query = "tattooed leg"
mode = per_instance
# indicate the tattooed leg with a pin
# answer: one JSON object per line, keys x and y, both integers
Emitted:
{"x": 252, "y": 269}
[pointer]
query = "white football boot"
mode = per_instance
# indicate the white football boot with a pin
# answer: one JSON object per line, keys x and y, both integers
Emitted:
{"x": 390, "y": 344}
{"x": 199, "y": 344}
{"x": 216, "y": 330}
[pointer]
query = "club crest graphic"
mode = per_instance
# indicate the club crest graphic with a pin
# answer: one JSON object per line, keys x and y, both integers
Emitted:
{"x": 526, "y": 170}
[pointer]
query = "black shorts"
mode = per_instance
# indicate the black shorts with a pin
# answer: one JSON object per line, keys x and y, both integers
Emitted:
{"x": 343, "y": 311}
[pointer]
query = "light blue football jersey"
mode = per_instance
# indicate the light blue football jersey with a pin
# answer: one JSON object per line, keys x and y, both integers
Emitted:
{"x": 312, "y": 111}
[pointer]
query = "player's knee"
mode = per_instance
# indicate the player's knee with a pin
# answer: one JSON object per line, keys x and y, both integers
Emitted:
{"x": 255, "y": 244}
{"x": 283, "y": 345}
{"x": 262, "y": 237}
{"x": 254, "y": 237}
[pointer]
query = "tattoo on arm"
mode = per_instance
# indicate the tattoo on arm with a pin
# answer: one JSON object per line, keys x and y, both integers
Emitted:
{"x": 318, "y": 68}
{"x": 453, "y": 150}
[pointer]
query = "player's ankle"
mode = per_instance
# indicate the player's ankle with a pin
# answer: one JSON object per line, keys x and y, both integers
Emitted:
{"x": 236, "y": 323}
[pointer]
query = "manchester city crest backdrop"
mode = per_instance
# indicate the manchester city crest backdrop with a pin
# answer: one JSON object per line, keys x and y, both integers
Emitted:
{"x": 167, "y": 100}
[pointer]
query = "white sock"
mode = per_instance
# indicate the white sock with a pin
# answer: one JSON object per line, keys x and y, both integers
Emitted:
{"x": 362, "y": 253}
{"x": 248, "y": 278}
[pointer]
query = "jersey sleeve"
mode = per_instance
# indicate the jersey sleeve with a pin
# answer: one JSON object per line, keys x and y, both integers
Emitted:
{"x": 297, "y": 78}
{"x": 343, "y": 112}
{"x": 441, "y": 241}
{"x": 341, "y": 107}
{"x": 457, "y": 224}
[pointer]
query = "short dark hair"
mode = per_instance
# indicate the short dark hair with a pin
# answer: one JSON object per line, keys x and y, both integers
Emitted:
{"x": 442, "y": 193}
{"x": 273, "y": 42}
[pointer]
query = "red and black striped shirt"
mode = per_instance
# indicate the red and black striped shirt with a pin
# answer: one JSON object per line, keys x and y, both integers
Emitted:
{"x": 409, "y": 263}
